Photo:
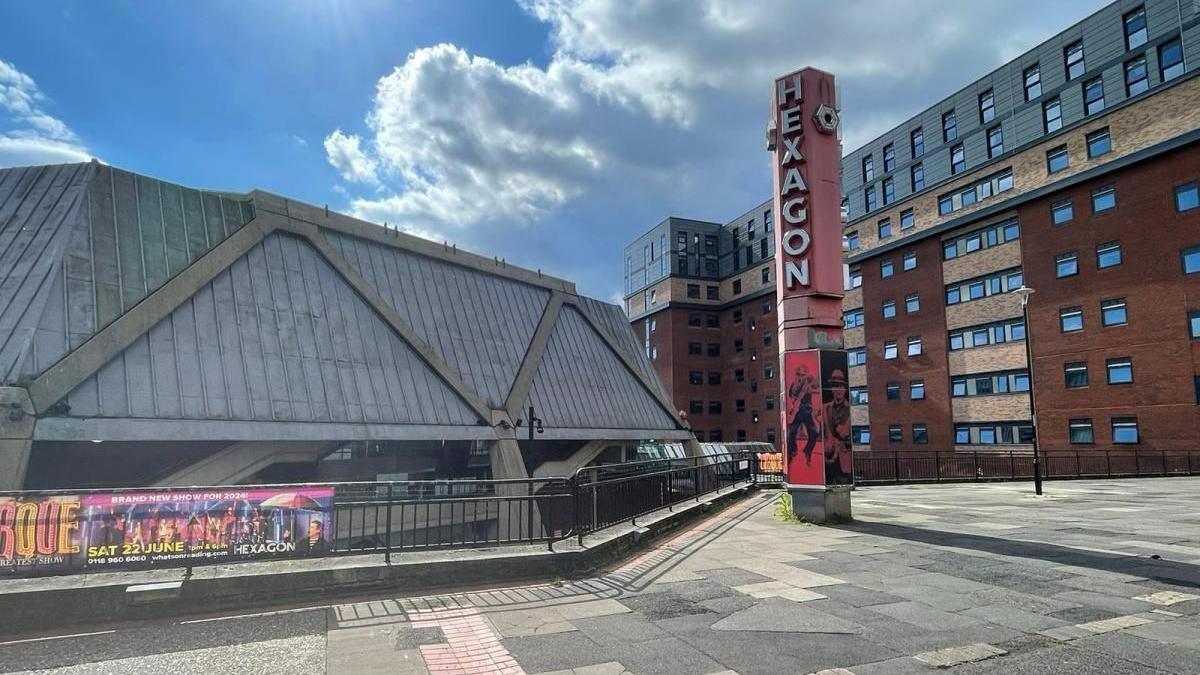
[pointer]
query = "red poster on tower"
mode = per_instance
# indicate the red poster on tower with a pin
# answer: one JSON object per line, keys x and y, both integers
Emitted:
{"x": 801, "y": 409}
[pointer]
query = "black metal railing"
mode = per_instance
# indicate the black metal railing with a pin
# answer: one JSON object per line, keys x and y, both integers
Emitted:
{"x": 883, "y": 467}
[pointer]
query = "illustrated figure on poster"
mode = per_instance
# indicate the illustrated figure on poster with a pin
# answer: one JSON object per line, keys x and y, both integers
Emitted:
{"x": 838, "y": 460}
{"x": 800, "y": 414}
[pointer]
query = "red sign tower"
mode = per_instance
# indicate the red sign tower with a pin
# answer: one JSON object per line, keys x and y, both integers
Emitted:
{"x": 814, "y": 396}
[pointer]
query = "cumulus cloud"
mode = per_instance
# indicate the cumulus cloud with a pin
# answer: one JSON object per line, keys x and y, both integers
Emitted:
{"x": 29, "y": 134}
{"x": 659, "y": 95}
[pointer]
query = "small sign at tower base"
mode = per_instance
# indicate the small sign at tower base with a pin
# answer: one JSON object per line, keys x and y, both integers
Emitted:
{"x": 819, "y": 504}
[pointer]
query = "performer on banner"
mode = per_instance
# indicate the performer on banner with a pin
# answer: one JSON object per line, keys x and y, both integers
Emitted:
{"x": 800, "y": 414}
{"x": 838, "y": 463}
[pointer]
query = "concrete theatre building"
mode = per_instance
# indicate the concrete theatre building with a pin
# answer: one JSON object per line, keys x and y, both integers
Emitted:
{"x": 153, "y": 334}
{"x": 1073, "y": 169}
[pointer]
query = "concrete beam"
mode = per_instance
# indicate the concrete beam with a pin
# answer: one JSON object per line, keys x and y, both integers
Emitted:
{"x": 518, "y": 518}
{"x": 113, "y": 429}
{"x": 17, "y": 422}
{"x": 78, "y": 365}
{"x": 240, "y": 461}
{"x": 533, "y": 356}
{"x": 391, "y": 316}
{"x": 580, "y": 458}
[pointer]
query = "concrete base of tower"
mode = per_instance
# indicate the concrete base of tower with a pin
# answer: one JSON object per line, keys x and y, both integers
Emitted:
{"x": 821, "y": 503}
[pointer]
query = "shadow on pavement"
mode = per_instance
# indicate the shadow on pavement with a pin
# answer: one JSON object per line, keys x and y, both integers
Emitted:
{"x": 1167, "y": 571}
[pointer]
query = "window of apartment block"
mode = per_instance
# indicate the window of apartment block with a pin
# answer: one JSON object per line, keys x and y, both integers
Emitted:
{"x": 909, "y": 262}
{"x": 712, "y": 292}
{"x": 992, "y": 235}
{"x": 920, "y": 434}
{"x": 1070, "y": 319}
{"x": 852, "y": 242}
{"x": 1136, "y": 80}
{"x": 693, "y": 290}
{"x": 715, "y": 436}
{"x": 767, "y": 306}
{"x": 1112, "y": 312}
{"x": 916, "y": 389}
{"x": 885, "y": 228}
{"x": 1125, "y": 430}
{"x": 1108, "y": 254}
{"x": 854, "y": 278}
{"x": 714, "y": 377}
{"x": 1104, "y": 199}
{"x": 753, "y": 385}
{"x": 895, "y": 433}
{"x": 737, "y": 286}
{"x": 739, "y": 345}
{"x": 1135, "y": 28}
{"x": 694, "y": 319}
{"x": 945, "y": 205}
{"x": 739, "y": 375}
{"x": 1052, "y": 115}
{"x": 987, "y": 107}
{"x": 1061, "y": 212}
{"x": 765, "y": 274}
{"x": 696, "y": 407}
{"x": 1093, "y": 96}
{"x": 917, "y": 141}
{"x": 769, "y": 403}
{"x": 712, "y": 320}
{"x": 869, "y": 198}
{"x": 889, "y": 191}
{"x": 889, "y": 158}
{"x": 1194, "y": 324}
{"x": 1099, "y": 142}
{"x": 912, "y": 303}
{"x": 889, "y": 309}
{"x": 1066, "y": 264}
{"x": 1057, "y": 159}
{"x": 1187, "y": 197}
{"x": 740, "y": 405}
{"x": 714, "y": 349}
{"x": 861, "y": 435}
{"x": 980, "y": 287}
{"x": 949, "y": 127}
{"x": 771, "y": 435}
{"x": 858, "y": 396}
{"x": 695, "y": 377}
{"x": 886, "y": 268}
{"x": 1120, "y": 370}
{"x": 1191, "y": 259}
{"x": 958, "y": 159}
{"x": 762, "y": 248}
{"x": 856, "y": 357}
{"x": 694, "y": 348}
{"x": 868, "y": 168}
{"x": 1079, "y": 431}
{"x": 714, "y": 407}
{"x": 906, "y": 219}
{"x": 890, "y": 350}
{"x": 917, "y": 174}
{"x": 737, "y": 316}
{"x": 1073, "y": 59}
{"x": 1170, "y": 60}
{"x": 914, "y": 346}
{"x": 1033, "y": 82}
{"x": 1075, "y": 374}
{"x": 995, "y": 137}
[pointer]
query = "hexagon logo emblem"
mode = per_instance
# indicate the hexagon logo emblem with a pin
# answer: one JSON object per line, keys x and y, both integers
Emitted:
{"x": 826, "y": 119}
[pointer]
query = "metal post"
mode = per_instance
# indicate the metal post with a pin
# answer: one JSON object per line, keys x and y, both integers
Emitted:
{"x": 975, "y": 464}
{"x": 1108, "y": 464}
{"x": 937, "y": 465}
{"x": 1037, "y": 460}
{"x": 896, "y": 463}
{"x": 387, "y": 554}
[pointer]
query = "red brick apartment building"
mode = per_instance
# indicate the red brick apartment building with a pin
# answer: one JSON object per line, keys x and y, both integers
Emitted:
{"x": 1072, "y": 169}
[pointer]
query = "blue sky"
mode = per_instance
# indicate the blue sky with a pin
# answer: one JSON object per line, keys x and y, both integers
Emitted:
{"x": 548, "y": 132}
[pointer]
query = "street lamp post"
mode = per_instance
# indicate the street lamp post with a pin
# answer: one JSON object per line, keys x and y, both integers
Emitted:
{"x": 1024, "y": 292}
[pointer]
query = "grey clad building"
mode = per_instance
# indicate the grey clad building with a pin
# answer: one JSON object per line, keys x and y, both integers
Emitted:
{"x": 154, "y": 334}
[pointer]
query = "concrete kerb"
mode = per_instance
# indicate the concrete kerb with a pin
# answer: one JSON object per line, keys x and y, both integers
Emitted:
{"x": 33, "y": 605}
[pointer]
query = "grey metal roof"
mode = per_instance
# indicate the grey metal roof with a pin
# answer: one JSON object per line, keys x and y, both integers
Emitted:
{"x": 125, "y": 297}
{"x": 581, "y": 383}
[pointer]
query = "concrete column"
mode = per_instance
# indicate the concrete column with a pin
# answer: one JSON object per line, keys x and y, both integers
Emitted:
{"x": 17, "y": 420}
{"x": 516, "y": 518}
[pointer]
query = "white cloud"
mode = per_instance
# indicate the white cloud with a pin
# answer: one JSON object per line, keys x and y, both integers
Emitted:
{"x": 29, "y": 134}
{"x": 658, "y": 96}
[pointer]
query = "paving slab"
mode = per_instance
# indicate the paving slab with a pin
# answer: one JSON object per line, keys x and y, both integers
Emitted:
{"x": 785, "y": 616}
{"x": 953, "y": 656}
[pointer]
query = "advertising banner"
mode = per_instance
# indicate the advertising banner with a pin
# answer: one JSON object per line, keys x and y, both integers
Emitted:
{"x": 816, "y": 415}
{"x": 172, "y": 528}
{"x": 835, "y": 414}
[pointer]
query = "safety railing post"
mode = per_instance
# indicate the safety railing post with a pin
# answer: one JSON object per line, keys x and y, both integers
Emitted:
{"x": 387, "y": 537}
{"x": 896, "y": 466}
{"x": 975, "y": 464}
{"x": 1012, "y": 465}
{"x": 1108, "y": 464}
{"x": 937, "y": 465}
